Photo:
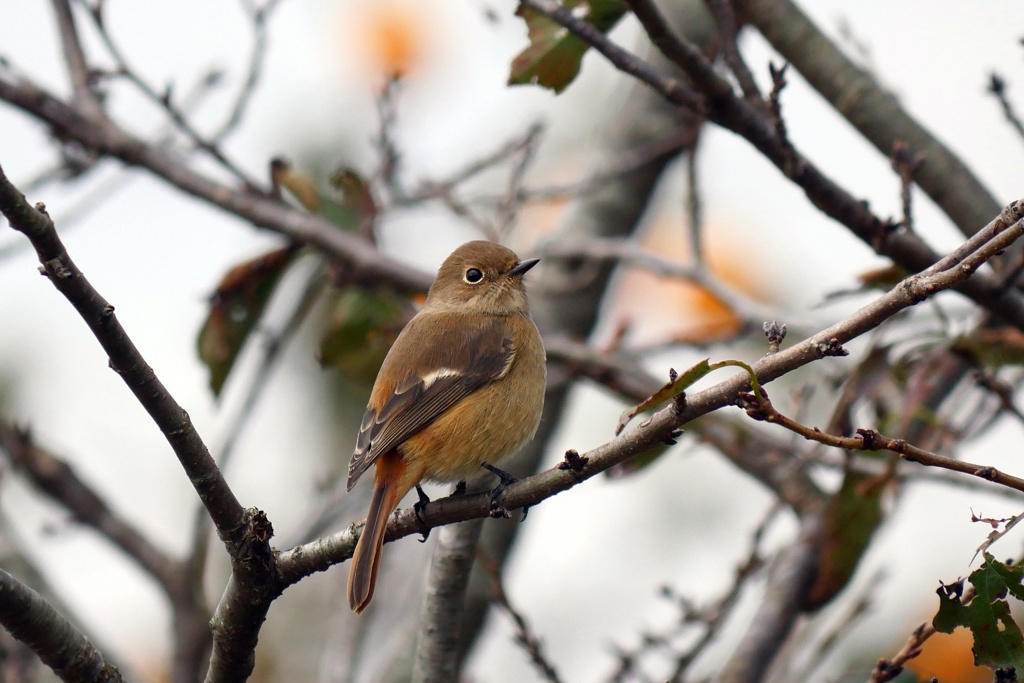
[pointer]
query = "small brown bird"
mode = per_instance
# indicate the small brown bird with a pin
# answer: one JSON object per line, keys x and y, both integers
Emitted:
{"x": 462, "y": 387}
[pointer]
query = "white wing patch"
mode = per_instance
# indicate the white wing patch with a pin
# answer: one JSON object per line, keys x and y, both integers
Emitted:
{"x": 435, "y": 375}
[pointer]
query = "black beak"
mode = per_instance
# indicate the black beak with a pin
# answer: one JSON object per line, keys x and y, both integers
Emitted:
{"x": 523, "y": 266}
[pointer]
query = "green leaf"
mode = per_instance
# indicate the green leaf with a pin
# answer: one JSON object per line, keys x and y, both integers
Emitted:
{"x": 853, "y": 515}
{"x": 675, "y": 386}
{"x": 952, "y": 613}
{"x": 998, "y": 641}
{"x": 361, "y": 329}
{"x": 235, "y": 308}
{"x": 553, "y": 57}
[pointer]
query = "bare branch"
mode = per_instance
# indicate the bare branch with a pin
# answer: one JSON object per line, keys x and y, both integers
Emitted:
{"x": 625, "y": 252}
{"x": 259, "y": 16}
{"x": 125, "y": 359}
{"x": 437, "y": 646}
{"x": 58, "y": 480}
{"x": 82, "y": 78}
{"x": 790, "y": 576}
{"x": 723, "y": 107}
{"x": 61, "y": 646}
{"x": 870, "y": 440}
{"x": 524, "y": 636}
{"x": 363, "y": 261}
{"x": 726, "y": 19}
{"x": 997, "y": 86}
{"x": 877, "y": 114}
{"x": 163, "y": 100}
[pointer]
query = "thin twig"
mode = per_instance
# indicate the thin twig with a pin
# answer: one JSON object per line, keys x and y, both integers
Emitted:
{"x": 384, "y": 141}
{"x": 508, "y": 205}
{"x": 725, "y": 17}
{"x": 626, "y": 163}
{"x": 870, "y": 440}
{"x": 715, "y": 616}
{"x": 906, "y": 164}
{"x": 524, "y": 635}
{"x": 694, "y": 209}
{"x": 433, "y": 189}
{"x": 997, "y": 86}
{"x": 627, "y": 253}
{"x": 260, "y": 20}
{"x": 163, "y": 100}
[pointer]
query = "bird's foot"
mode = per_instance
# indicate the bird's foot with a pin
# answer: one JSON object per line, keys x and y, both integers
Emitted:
{"x": 498, "y": 510}
{"x": 418, "y": 509}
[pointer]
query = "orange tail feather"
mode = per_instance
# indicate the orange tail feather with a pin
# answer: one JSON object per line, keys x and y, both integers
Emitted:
{"x": 362, "y": 576}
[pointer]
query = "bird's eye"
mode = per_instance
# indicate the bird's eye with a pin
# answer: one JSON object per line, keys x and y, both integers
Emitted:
{"x": 473, "y": 276}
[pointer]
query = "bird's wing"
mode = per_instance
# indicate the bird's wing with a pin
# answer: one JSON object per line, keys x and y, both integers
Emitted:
{"x": 442, "y": 375}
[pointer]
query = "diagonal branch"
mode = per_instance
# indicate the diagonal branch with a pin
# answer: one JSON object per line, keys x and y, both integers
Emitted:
{"x": 725, "y": 108}
{"x": 363, "y": 261}
{"x": 62, "y": 647}
{"x": 61, "y": 483}
{"x": 874, "y": 112}
{"x": 318, "y": 555}
{"x": 125, "y": 359}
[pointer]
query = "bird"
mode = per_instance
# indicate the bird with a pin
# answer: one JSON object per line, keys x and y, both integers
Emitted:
{"x": 461, "y": 388}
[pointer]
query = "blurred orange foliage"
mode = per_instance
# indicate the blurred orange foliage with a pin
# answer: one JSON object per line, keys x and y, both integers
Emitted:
{"x": 948, "y": 657}
{"x": 655, "y": 309}
{"x": 392, "y": 36}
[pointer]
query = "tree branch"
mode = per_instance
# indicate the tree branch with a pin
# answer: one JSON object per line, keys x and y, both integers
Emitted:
{"x": 877, "y": 114}
{"x": 959, "y": 265}
{"x": 723, "y": 107}
{"x": 58, "y": 480}
{"x": 791, "y": 574}
{"x": 62, "y": 647}
{"x": 125, "y": 359}
{"x": 364, "y": 262}
{"x": 437, "y": 646}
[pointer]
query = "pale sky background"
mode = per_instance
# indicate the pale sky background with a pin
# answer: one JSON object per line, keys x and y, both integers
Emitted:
{"x": 156, "y": 256}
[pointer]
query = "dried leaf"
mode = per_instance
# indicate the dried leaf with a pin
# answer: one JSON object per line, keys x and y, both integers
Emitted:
{"x": 302, "y": 186}
{"x": 356, "y": 195}
{"x": 553, "y": 57}
{"x": 235, "y": 308}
